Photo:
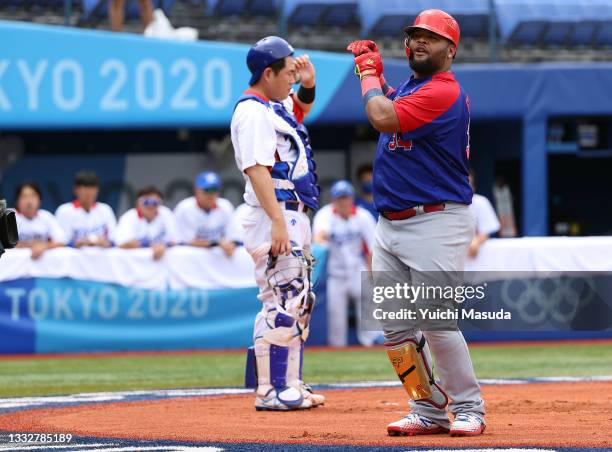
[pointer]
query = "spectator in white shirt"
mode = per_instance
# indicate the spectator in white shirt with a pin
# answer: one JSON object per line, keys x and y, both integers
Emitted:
{"x": 85, "y": 221}
{"x": 148, "y": 225}
{"x": 203, "y": 219}
{"x": 485, "y": 219}
{"x": 38, "y": 228}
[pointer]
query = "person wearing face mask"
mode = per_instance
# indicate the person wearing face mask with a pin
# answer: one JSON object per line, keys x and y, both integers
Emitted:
{"x": 366, "y": 199}
{"x": 203, "y": 219}
{"x": 148, "y": 225}
{"x": 273, "y": 151}
{"x": 422, "y": 193}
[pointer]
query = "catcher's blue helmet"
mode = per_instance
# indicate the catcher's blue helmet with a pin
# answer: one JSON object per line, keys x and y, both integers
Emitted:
{"x": 265, "y": 52}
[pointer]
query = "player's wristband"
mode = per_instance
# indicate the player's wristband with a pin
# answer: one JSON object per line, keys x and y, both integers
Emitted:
{"x": 306, "y": 95}
{"x": 370, "y": 87}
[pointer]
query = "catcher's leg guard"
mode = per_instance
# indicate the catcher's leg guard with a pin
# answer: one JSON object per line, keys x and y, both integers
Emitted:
{"x": 273, "y": 365}
{"x": 414, "y": 372}
{"x": 294, "y": 375}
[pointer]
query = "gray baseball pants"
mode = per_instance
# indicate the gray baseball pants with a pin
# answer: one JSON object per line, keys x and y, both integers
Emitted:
{"x": 436, "y": 241}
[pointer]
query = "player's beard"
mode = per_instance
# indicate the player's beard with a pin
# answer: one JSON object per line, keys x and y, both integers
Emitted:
{"x": 424, "y": 67}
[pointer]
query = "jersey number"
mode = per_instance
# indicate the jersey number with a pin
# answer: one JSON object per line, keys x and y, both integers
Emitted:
{"x": 397, "y": 142}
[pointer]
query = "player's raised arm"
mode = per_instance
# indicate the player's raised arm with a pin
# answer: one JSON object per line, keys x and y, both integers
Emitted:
{"x": 380, "y": 110}
{"x": 306, "y": 75}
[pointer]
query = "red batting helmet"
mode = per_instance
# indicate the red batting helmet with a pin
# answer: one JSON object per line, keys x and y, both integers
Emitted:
{"x": 437, "y": 21}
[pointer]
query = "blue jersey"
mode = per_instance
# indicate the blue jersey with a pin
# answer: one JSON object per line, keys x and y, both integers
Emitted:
{"x": 427, "y": 162}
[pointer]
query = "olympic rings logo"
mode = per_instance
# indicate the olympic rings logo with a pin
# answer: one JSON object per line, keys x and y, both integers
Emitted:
{"x": 557, "y": 299}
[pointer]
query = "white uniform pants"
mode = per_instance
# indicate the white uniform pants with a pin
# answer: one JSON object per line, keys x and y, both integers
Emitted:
{"x": 257, "y": 232}
{"x": 340, "y": 291}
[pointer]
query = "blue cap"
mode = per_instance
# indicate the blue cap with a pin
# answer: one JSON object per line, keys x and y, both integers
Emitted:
{"x": 265, "y": 52}
{"x": 342, "y": 188}
{"x": 208, "y": 181}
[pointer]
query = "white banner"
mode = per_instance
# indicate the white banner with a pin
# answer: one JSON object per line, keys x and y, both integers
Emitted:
{"x": 188, "y": 267}
{"x": 181, "y": 267}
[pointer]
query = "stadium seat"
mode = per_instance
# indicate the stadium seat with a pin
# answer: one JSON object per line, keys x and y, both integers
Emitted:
{"x": 583, "y": 33}
{"x": 339, "y": 13}
{"x": 556, "y": 33}
{"x": 230, "y": 7}
{"x": 391, "y": 25}
{"x": 307, "y": 14}
{"x": 388, "y": 17}
{"x": 263, "y": 7}
{"x": 603, "y": 36}
{"x": 528, "y": 33}
{"x": 552, "y": 22}
{"x": 473, "y": 26}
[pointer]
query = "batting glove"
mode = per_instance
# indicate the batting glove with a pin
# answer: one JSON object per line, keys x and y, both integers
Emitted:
{"x": 368, "y": 65}
{"x": 360, "y": 47}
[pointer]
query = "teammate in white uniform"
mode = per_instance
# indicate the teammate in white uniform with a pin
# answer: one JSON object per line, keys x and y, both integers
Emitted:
{"x": 272, "y": 150}
{"x": 485, "y": 219}
{"x": 149, "y": 224}
{"x": 38, "y": 228}
{"x": 203, "y": 219}
{"x": 85, "y": 221}
{"x": 348, "y": 230}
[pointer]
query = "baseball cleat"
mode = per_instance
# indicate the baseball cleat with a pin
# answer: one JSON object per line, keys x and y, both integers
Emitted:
{"x": 284, "y": 399}
{"x": 414, "y": 424}
{"x": 309, "y": 394}
{"x": 466, "y": 424}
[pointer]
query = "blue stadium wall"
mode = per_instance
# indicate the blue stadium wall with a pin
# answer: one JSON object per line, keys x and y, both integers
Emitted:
{"x": 59, "y": 78}
{"x": 96, "y": 79}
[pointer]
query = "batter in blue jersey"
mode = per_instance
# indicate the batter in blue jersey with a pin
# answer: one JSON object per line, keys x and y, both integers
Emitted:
{"x": 422, "y": 192}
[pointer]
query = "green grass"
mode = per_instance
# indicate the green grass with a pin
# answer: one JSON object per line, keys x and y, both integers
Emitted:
{"x": 23, "y": 377}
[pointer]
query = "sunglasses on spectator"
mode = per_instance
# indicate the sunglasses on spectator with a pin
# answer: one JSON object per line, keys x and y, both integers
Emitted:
{"x": 146, "y": 202}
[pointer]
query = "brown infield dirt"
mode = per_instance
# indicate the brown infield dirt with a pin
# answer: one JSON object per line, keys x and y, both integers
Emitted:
{"x": 538, "y": 414}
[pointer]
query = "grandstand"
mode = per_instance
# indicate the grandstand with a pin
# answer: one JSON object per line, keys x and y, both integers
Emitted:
{"x": 504, "y": 30}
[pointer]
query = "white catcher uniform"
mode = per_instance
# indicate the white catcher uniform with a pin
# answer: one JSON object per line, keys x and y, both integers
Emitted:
{"x": 78, "y": 223}
{"x": 349, "y": 240}
{"x": 264, "y": 133}
{"x": 193, "y": 222}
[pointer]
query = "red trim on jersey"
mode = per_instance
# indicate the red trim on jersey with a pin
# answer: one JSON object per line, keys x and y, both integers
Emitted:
{"x": 428, "y": 102}
{"x": 353, "y": 211}
{"x": 365, "y": 248}
{"x": 139, "y": 212}
{"x": 256, "y": 94}
{"x": 76, "y": 203}
{"x": 297, "y": 110}
{"x": 214, "y": 206}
